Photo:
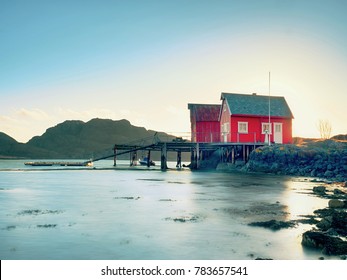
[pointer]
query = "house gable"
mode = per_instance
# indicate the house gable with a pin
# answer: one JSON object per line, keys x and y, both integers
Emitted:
{"x": 204, "y": 120}
{"x": 257, "y": 105}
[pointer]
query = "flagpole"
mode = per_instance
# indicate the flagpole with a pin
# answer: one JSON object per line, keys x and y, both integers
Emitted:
{"x": 269, "y": 110}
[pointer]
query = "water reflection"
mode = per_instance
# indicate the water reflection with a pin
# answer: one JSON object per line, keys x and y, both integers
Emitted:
{"x": 122, "y": 214}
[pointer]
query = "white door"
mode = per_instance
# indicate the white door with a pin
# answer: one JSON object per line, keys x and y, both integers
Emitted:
{"x": 278, "y": 136}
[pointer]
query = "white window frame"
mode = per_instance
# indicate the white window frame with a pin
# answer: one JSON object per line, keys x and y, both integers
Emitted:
{"x": 225, "y": 128}
{"x": 263, "y": 130}
{"x": 242, "y": 127}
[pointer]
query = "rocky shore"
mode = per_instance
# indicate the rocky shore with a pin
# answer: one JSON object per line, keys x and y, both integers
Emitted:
{"x": 329, "y": 231}
{"x": 323, "y": 159}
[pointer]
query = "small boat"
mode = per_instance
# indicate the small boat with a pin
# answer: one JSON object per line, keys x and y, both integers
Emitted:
{"x": 144, "y": 161}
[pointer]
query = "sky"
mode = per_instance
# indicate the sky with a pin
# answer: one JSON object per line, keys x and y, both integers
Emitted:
{"x": 146, "y": 60}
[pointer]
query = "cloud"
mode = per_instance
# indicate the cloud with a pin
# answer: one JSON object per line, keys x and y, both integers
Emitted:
{"x": 32, "y": 114}
{"x": 176, "y": 111}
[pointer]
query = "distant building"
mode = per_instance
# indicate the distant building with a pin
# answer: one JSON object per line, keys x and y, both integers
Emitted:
{"x": 204, "y": 121}
{"x": 242, "y": 118}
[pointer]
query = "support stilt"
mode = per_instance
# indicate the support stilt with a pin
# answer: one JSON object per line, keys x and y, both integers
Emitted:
{"x": 179, "y": 159}
{"x": 192, "y": 159}
{"x": 149, "y": 158}
{"x": 244, "y": 153}
{"x": 163, "y": 157}
{"x": 197, "y": 155}
{"x": 233, "y": 155}
{"x": 115, "y": 156}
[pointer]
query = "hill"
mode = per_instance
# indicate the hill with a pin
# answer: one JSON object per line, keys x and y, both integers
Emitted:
{"x": 10, "y": 148}
{"x": 77, "y": 139}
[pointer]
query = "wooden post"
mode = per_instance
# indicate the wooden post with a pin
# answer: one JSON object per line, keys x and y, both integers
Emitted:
{"x": 115, "y": 156}
{"x": 179, "y": 160}
{"x": 247, "y": 154}
{"x": 163, "y": 157}
{"x": 197, "y": 155}
{"x": 149, "y": 158}
{"x": 192, "y": 159}
{"x": 233, "y": 155}
{"x": 133, "y": 158}
{"x": 244, "y": 153}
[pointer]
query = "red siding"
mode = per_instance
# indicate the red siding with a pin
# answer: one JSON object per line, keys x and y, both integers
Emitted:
{"x": 254, "y": 133}
{"x": 207, "y": 132}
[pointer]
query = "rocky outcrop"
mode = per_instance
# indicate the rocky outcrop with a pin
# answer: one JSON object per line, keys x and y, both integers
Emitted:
{"x": 274, "y": 224}
{"x": 324, "y": 159}
{"x": 331, "y": 231}
{"x": 330, "y": 245}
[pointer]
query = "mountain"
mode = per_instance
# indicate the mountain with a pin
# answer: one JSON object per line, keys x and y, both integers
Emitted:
{"x": 10, "y": 148}
{"x": 8, "y": 145}
{"x": 77, "y": 139}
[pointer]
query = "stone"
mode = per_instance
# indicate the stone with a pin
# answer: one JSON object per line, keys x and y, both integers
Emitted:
{"x": 339, "y": 222}
{"x": 330, "y": 245}
{"x": 273, "y": 224}
{"x": 336, "y": 203}
{"x": 325, "y": 223}
{"x": 319, "y": 189}
{"x": 337, "y": 191}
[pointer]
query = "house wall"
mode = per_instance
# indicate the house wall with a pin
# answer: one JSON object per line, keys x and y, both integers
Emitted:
{"x": 207, "y": 132}
{"x": 254, "y": 133}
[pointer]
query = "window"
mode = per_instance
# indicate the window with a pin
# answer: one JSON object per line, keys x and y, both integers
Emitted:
{"x": 225, "y": 127}
{"x": 266, "y": 128}
{"x": 243, "y": 127}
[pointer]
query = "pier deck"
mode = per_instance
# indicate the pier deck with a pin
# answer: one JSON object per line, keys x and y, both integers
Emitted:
{"x": 228, "y": 151}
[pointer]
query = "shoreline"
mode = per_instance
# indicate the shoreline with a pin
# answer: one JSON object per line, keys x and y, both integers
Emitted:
{"x": 329, "y": 225}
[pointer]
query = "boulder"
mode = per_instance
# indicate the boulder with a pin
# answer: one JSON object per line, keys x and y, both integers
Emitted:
{"x": 330, "y": 245}
{"x": 325, "y": 223}
{"x": 339, "y": 222}
{"x": 319, "y": 189}
{"x": 338, "y": 191}
{"x": 336, "y": 203}
{"x": 273, "y": 224}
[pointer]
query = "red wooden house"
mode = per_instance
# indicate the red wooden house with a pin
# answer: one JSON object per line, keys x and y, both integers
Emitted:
{"x": 245, "y": 118}
{"x": 204, "y": 120}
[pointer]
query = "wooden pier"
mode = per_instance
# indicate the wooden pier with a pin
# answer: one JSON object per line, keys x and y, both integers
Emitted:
{"x": 199, "y": 151}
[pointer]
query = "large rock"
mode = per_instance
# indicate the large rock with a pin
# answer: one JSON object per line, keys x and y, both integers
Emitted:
{"x": 330, "y": 245}
{"x": 325, "y": 223}
{"x": 336, "y": 203}
{"x": 339, "y": 222}
{"x": 319, "y": 189}
{"x": 273, "y": 224}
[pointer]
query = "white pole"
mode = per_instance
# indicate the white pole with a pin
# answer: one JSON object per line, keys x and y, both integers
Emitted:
{"x": 269, "y": 110}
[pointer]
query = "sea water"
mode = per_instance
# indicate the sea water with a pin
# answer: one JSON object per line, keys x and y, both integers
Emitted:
{"x": 141, "y": 213}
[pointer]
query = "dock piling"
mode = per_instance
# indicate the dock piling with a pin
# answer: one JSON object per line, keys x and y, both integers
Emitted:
{"x": 164, "y": 157}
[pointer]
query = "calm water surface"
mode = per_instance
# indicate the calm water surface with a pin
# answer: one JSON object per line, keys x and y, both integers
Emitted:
{"x": 108, "y": 213}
